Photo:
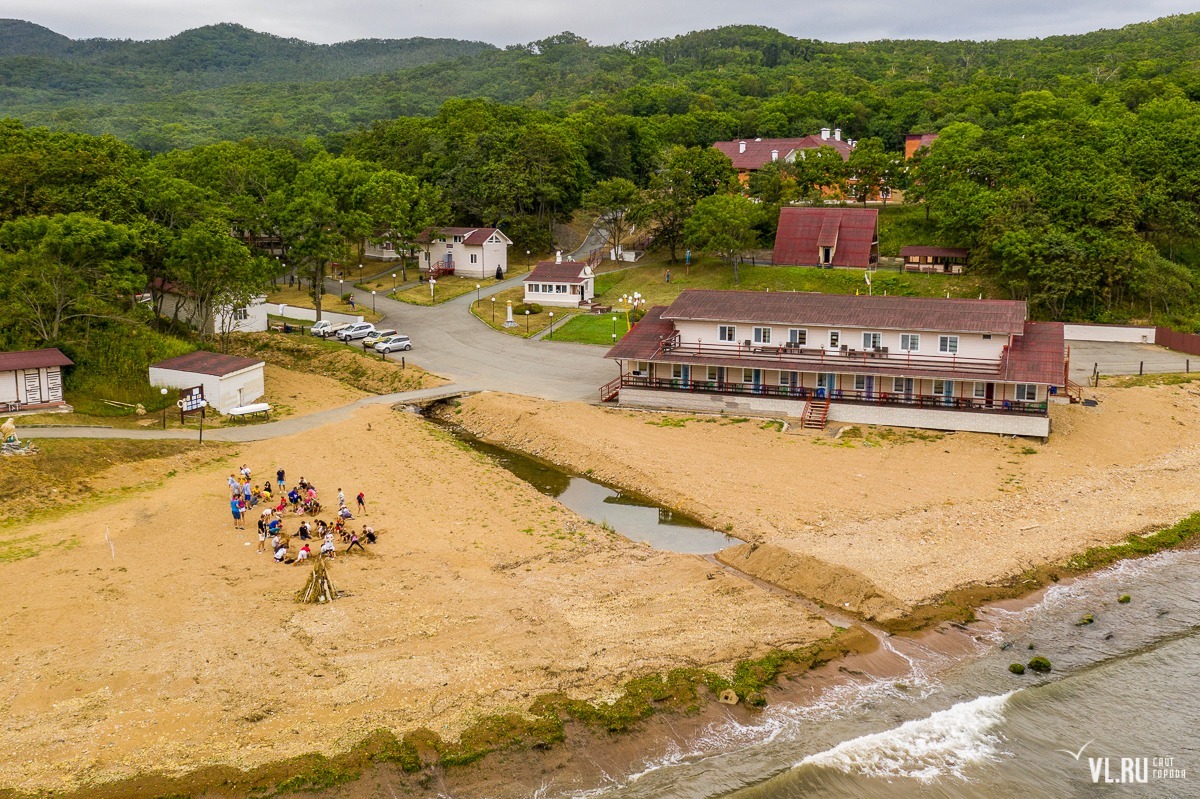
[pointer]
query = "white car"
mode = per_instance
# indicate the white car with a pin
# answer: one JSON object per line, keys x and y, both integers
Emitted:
{"x": 392, "y": 343}
{"x": 378, "y": 336}
{"x": 325, "y": 328}
{"x": 357, "y": 330}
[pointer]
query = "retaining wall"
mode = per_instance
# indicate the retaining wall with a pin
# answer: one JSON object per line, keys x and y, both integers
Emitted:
{"x": 1130, "y": 334}
{"x": 1012, "y": 424}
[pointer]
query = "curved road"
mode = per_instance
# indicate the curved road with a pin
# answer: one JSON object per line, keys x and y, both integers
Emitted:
{"x": 447, "y": 341}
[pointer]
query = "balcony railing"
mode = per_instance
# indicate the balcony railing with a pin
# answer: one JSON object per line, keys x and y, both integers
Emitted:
{"x": 816, "y": 359}
{"x": 931, "y": 401}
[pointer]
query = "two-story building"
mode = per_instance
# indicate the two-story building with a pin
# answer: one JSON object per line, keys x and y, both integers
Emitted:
{"x": 976, "y": 365}
{"x": 749, "y": 155}
{"x": 466, "y": 251}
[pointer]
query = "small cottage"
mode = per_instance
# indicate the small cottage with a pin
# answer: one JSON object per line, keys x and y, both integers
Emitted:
{"x": 31, "y": 380}
{"x": 943, "y": 260}
{"x": 229, "y": 381}
{"x": 563, "y": 283}
{"x": 464, "y": 251}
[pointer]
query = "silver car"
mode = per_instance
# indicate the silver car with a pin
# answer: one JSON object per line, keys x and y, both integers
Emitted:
{"x": 358, "y": 330}
{"x": 393, "y": 343}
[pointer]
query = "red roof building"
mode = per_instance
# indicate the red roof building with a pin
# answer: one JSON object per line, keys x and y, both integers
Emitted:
{"x": 474, "y": 252}
{"x": 974, "y": 365}
{"x": 751, "y": 154}
{"x": 915, "y": 141}
{"x": 563, "y": 283}
{"x": 832, "y": 237}
{"x": 31, "y": 380}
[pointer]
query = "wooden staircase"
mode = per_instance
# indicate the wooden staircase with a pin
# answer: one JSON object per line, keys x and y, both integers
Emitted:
{"x": 1074, "y": 391}
{"x": 816, "y": 411}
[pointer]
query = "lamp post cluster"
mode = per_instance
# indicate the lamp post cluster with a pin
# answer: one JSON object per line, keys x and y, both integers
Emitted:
{"x": 631, "y": 303}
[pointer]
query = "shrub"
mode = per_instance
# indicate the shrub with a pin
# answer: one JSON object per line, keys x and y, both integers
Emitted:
{"x": 1017, "y": 668}
{"x": 1039, "y": 664}
{"x": 1086, "y": 620}
{"x": 1125, "y": 599}
{"x": 532, "y": 307}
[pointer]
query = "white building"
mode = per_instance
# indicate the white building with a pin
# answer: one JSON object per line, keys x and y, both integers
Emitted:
{"x": 465, "y": 251}
{"x": 976, "y": 365}
{"x": 229, "y": 381}
{"x": 249, "y": 318}
{"x": 567, "y": 284}
{"x": 31, "y": 380}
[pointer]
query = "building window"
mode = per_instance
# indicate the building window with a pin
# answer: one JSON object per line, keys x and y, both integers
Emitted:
{"x": 910, "y": 342}
{"x": 948, "y": 344}
{"x": 898, "y": 385}
{"x": 1026, "y": 392}
{"x": 547, "y": 288}
{"x": 987, "y": 336}
{"x": 980, "y": 391}
{"x": 860, "y": 382}
{"x": 943, "y": 388}
{"x": 872, "y": 341}
{"x": 712, "y": 374}
{"x": 747, "y": 375}
{"x": 241, "y": 314}
{"x": 458, "y": 239}
{"x": 797, "y": 336}
{"x": 835, "y": 338}
{"x": 727, "y": 333}
{"x": 826, "y": 255}
{"x": 474, "y": 258}
{"x": 762, "y": 335}
{"x": 560, "y": 289}
{"x": 824, "y": 381}
{"x": 677, "y": 371}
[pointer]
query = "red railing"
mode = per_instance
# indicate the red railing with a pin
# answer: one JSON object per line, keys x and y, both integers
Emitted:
{"x": 932, "y": 401}
{"x": 796, "y": 358}
{"x": 610, "y": 389}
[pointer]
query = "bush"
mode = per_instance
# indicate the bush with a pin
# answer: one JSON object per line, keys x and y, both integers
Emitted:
{"x": 1125, "y": 599}
{"x": 1086, "y": 620}
{"x": 346, "y": 297}
{"x": 532, "y": 307}
{"x": 1017, "y": 668}
{"x": 1039, "y": 664}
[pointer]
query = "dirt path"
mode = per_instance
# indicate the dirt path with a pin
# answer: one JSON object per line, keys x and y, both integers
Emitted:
{"x": 160, "y": 636}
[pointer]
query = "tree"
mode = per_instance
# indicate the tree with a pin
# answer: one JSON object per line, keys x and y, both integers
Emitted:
{"x": 723, "y": 225}
{"x": 56, "y": 271}
{"x": 868, "y": 166}
{"x": 688, "y": 175}
{"x": 618, "y": 205}
{"x": 400, "y": 207}
{"x": 215, "y": 275}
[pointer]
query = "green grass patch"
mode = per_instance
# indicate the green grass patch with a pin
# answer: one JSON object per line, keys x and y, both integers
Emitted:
{"x": 1169, "y": 379}
{"x": 901, "y": 225}
{"x": 593, "y": 329}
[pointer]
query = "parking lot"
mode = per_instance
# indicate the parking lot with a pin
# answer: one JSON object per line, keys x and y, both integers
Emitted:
{"x": 1115, "y": 358}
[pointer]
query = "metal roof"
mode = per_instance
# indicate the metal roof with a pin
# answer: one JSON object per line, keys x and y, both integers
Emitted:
{"x": 1006, "y": 317}
{"x": 802, "y": 233}
{"x": 553, "y": 272}
{"x": 207, "y": 363}
{"x": 33, "y": 359}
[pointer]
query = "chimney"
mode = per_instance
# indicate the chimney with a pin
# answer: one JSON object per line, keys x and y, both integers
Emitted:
{"x": 558, "y": 256}
{"x": 837, "y": 134}
{"x": 774, "y": 155}
{"x": 824, "y": 134}
{"x": 741, "y": 147}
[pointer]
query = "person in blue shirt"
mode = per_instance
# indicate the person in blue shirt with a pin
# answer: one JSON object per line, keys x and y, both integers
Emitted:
{"x": 235, "y": 506}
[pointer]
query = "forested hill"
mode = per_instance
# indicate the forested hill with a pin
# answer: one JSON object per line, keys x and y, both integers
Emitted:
{"x": 227, "y": 82}
{"x": 35, "y": 58}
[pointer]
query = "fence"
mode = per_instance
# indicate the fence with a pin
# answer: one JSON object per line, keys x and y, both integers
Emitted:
{"x": 1174, "y": 340}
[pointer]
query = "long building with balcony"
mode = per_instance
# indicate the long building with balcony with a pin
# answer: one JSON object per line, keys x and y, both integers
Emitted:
{"x": 944, "y": 364}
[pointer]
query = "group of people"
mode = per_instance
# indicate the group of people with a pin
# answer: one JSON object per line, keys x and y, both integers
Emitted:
{"x": 301, "y": 499}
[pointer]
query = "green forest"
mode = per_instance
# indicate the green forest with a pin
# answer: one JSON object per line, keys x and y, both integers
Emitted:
{"x": 1070, "y": 165}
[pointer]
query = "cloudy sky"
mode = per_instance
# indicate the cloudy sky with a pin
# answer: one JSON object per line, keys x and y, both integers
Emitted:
{"x": 511, "y": 21}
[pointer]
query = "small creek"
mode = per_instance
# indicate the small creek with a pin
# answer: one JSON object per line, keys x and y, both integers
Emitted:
{"x": 630, "y": 515}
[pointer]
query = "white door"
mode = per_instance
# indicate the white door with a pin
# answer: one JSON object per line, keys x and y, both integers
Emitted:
{"x": 33, "y": 386}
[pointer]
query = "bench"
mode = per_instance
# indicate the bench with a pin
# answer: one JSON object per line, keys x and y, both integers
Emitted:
{"x": 257, "y": 408}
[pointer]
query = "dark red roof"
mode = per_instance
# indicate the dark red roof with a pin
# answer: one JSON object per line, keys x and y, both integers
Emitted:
{"x": 474, "y": 236}
{"x": 1038, "y": 356}
{"x": 553, "y": 272}
{"x": 1006, "y": 317}
{"x": 206, "y": 363}
{"x": 758, "y": 151}
{"x": 941, "y": 252}
{"x": 33, "y": 359}
{"x": 803, "y": 231}
{"x": 641, "y": 343}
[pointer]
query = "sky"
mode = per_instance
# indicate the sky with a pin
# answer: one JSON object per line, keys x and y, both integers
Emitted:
{"x": 503, "y": 22}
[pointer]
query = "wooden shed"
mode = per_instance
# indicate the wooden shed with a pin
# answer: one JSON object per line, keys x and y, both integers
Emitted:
{"x": 31, "y": 380}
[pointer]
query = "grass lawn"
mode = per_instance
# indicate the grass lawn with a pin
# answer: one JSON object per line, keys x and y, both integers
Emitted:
{"x": 450, "y": 286}
{"x": 900, "y": 225}
{"x": 647, "y": 279}
{"x": 592, "y": 329}
{"x": 527, "y": 327}
{"x": 331, "y": 302}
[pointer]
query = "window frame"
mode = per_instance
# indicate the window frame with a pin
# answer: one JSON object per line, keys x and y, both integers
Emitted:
{"x": 1024, "y": 388}
{"x": 798, "y": 336}
{"x": 948, "y": 345}
{"x": 762, "y": 335}
{"x": 876, "y": 338}
{"x": 835, "y": 339}
{"x": 910, "y": 342}
{"x": 727, "y": 333}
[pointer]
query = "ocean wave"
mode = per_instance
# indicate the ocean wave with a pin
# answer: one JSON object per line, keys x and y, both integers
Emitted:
{"x": 945, "y": 744}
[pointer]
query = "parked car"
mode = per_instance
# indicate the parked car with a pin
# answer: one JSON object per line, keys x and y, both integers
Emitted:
{"x": 393, "y": 343}
{"x": 378, "y": 336}
{"x": 325, "y": 328}
{"x": 356, "y": 330}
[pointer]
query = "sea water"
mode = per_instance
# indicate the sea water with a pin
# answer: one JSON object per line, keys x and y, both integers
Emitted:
{"x": 1117, "y": 716}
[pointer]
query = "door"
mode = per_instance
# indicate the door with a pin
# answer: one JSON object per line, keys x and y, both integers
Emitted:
{"x": 720, "y": 375}
{"x": 757, "y": 381}
{"x": 989, "y": 393}
{"x": 870, "y": 387}
{"x": 906, "y": 387}
{"x": 33, "y": 387}
{"x": 685, "y": 375}
{"x": 948, "y": 392}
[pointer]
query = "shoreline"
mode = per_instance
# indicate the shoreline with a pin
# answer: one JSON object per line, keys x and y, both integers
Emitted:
{"x": 420, "y": 760}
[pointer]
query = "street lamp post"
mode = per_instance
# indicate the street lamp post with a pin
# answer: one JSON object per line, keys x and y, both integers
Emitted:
{"x": 477, "y": 295}
{"x": 493, "y": 311}
{"x": 432, "y": 282}
{"x": 164, "y": 393}
{"x": 614, "y": 327}
{"x": 527, "y": 322}
{"x": 360, "y": 272}
{"x": 203, "y": 405}
{"x": 393, "y": 282}
{"x": 372, "y": 300}
{"x": 552, "y": 325}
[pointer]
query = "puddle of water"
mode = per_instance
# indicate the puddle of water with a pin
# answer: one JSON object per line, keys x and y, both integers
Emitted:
{"x": 632, "y": 516}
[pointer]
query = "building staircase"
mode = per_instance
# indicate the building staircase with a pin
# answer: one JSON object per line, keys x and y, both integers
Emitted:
{"x": 816, "y": 411}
